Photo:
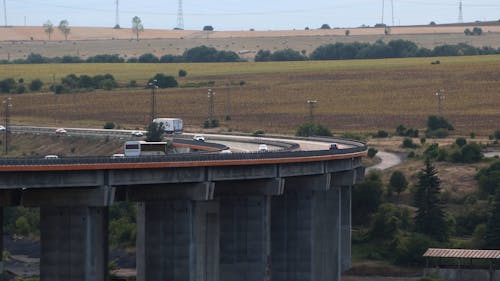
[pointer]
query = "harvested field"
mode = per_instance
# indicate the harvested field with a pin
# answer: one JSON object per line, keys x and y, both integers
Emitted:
{"x": 363, "y": 95}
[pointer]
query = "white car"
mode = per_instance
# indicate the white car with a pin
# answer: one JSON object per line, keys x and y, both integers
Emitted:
{"x": 61, "y": 131}
{"x": 117, "y": 155}
{"x": 137, "y": 134}
{"x": 263, "y": 148}
{"x": 2, "y": 128}
{"x": 51, "y": 157}
{"x": 199, "y": 138}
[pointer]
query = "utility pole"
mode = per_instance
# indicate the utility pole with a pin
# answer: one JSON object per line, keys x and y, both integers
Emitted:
{"x": 211, "y": 109}
{"x": 440, "y": 97}
{"x": 7, "y": 105}
{"x": 5, "y": 12}
{"x": 153, "y": 85}
{"x": 117, "y": 16}
{"x": 312, "y": 104}
{"x": 228, "y": 102}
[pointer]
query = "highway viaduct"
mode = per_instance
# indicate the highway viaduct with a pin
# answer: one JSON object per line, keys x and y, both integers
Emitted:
{"x": 280, "y": 216}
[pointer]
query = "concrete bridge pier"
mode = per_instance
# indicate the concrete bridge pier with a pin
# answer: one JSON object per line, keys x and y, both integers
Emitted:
{"x": 1, "y": 243}
{"x": 74, "y": 243}
{"x": 346, "y": 223}
{"x": 305, "y": 231}
{"x": 177, "y": 232}
{"x": 245, "y": 213}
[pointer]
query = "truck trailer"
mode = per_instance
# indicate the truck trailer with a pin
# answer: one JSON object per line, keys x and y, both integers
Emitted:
{"x": 171, "y": 125}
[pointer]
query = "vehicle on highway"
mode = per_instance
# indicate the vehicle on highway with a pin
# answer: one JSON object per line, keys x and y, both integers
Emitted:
{"x": 334, "y": 146}
{"x": 2, "y": 128}
{"x": 144, "y": 148}
{"x": 137, "y": 134}
{"x": 61, "y": 131}
{"x": 171, "y": 125}
{"x": 199, "y": 138}
{"x": 51, "y": 157}
{"x": 226, "y": 151}
{"x": 263, "y": 148}
{"x": 117, "y": 155}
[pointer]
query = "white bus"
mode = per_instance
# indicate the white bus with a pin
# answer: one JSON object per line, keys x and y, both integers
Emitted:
{"x": 144, "y": 148}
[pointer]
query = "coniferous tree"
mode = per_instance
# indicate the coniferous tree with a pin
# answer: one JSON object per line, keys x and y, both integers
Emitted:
{"x": 430, "y": 218}
{"x": 492, "y": 235}
{"x": 155, "y": 132}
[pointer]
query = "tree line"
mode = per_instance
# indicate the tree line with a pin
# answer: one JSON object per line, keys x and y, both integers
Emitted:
{"x": 377, "y": 50}
{"x": 196, "y": 54}
{"x": 337, "y": 51}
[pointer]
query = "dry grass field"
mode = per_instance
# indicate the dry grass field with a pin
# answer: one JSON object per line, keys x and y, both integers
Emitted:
{"x": 355, "y": 96}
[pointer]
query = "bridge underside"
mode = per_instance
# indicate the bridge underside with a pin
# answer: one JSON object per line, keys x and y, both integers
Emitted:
{"x": 289, "y": 223}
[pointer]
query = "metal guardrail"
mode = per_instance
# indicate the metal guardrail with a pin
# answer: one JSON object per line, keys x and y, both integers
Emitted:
{"x": 178, "y": 157}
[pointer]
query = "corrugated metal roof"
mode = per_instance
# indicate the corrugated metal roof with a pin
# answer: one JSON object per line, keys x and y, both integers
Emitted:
{"x": 462, "y": 253}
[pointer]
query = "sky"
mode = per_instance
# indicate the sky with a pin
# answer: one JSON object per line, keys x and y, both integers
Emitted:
{"x": 245, "y": 15}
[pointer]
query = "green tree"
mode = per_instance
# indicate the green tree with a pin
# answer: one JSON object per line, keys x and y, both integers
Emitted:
{"x": 36, "y": 85}
{"x": 137, "y": 26}
{"x": 155, "y": 132}
{"x": 64, "y": 28}
{"x": 165, "y": 81}
{"x": 208, "y": 28}
{"x": 492, "y": 235}
{"x": 366, "y": 197}
{"x": 48, "y": 27}
{"x": 430, "y": 218}
{"x": 311, "y": 129}
{"x": 398, "y": 183}
{"x": 325, "y": 26}
{"x": 489, "y": 178}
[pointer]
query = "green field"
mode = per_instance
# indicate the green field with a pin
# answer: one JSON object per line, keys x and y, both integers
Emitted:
{"x": 355, "y": 95}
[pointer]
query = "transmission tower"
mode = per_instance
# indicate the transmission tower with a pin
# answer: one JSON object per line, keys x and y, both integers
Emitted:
{"x": 460, "y": 13}
{"x": 392, "y": 11}
{"x": 180, "y": 17}
{"x": 383, "y": 6}
{"x": 117, "y": 25}
{"x": 5, "y": 12}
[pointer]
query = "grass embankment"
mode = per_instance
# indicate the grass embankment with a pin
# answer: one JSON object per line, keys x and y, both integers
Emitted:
{"x": 358, "y": 95}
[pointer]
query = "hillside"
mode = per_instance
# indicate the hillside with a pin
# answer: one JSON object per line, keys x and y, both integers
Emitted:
{"x": 18, "y": 42}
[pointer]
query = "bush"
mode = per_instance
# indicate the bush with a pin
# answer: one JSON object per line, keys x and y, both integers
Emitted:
{"x": 409, "y": 249}
{"x": 258, "y": 132}
{"x": 310, "y": 129}
{"x": 439, "y": 133}
{"x": 36, "y": 85}
{"x": 208, "y": 28}
{"x": 408, "y": 143}
{"x": 109, "y": 125}
{"x": 381, "y": 134}
{"x": 461, "y": 142}
{"x": 496, "y": 135}
{"x": 182, "y": 73}
{"x": 7, "y": 85}
{"x": 489, "y": 178}
{"x": 372, "y": 152}
{"x": 164, "y": 81}
{"x": 325, "y": 26}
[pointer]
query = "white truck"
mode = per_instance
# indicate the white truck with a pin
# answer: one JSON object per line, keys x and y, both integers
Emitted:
{"x": 171, "y": 125}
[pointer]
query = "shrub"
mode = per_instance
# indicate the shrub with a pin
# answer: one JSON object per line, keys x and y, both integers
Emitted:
{"x": 182, "y": 73}
{"x": 7, "y": 85}
{"x": 310, "y": 129}
{"x": 36, "y": 85}
{"x": 409, "y": 249}
{"x": 461, "y": 142}
{"x": 325, "y": 26}
{"x": 21, "y": 89}
{"x": 381, "y": 134}
{"x": 372, "y": 152}
{"x": 109, "y": 125}
{"x": 496, "y": 135}
{"x": 164, "y": 81}
{"x": 132, "y": 84}
{"x": 439, "y": 133}
{"x": 408, "y": 143}
{"x": 258, "y": 132}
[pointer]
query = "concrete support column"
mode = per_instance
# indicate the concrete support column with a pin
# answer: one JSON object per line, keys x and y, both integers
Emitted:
{"x": 1, "y": 243}
{"x": 74, "y": 243}
{"x": 346, "y": 224}
{"x": 245, "y": 238}
{"x": 305, "y": 234}
{"x": 178, "y": 240}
